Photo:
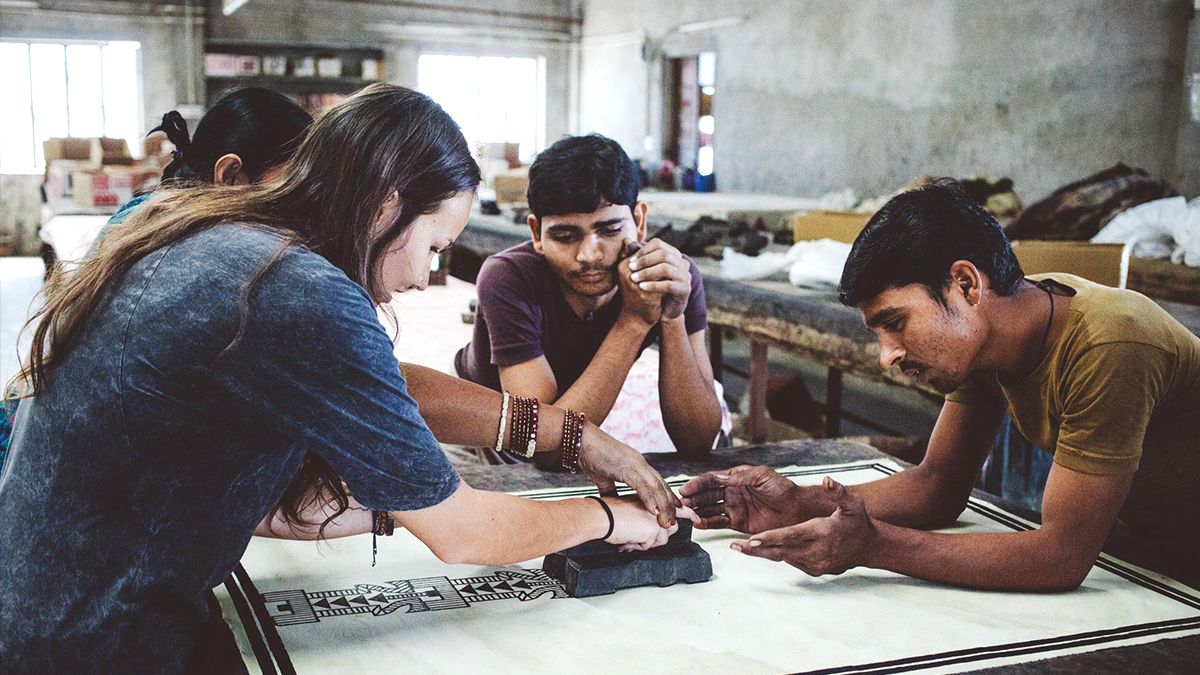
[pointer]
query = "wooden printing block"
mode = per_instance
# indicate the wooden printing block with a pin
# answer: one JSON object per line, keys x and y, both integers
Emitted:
{"x": 597, "y": 568}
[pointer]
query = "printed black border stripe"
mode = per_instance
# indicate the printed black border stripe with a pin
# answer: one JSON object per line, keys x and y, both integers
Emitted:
{"x": 1046, "y": 645}
{"x": 246, "y": 616}
{"x": 265, "y": 624}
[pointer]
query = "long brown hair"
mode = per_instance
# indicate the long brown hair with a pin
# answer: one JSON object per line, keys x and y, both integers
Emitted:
{"x": 384, "y": 138}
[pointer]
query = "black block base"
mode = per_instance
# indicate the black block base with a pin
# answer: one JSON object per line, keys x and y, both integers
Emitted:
{"x": 596, "y": 568}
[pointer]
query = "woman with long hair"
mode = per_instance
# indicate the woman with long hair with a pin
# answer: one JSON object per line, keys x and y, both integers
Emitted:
{"x": 220, "y": 356}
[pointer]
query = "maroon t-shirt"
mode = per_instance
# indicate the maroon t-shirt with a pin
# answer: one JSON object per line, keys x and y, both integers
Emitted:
{"x": 522, "y": 315}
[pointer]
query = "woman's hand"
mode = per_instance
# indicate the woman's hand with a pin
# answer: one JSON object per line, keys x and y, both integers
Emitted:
{"x": 606, "y": 460}
{"x": 635, "y": 528}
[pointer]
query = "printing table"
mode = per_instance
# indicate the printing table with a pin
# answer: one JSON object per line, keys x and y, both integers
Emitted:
{"x": 315, "y": 608}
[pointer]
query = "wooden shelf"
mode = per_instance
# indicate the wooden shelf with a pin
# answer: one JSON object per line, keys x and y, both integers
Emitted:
{"x": 260, "y": 80}
{"x": 312, "y": 92}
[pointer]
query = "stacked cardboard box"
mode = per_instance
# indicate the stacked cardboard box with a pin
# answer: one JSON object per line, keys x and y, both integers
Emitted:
{"x": 92, "y": 173}
{"x": 835, "y": 225}
{"x": 511, "y": 186}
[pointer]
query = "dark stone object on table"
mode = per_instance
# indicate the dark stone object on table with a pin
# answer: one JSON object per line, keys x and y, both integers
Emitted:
{"x": 597, "y": 568}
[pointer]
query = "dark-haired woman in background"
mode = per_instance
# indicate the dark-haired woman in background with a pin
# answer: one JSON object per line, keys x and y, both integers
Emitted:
{"x": 244, "y": 138}
{"x": 223, "y": 345}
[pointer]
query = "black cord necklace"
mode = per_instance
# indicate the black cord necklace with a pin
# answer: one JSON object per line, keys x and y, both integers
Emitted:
{"x": 1050, "y": 321}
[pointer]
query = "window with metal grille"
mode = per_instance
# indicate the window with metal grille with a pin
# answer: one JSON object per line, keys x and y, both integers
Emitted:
{"x": 57, "y": 89}
{"x": 494, "y": 99}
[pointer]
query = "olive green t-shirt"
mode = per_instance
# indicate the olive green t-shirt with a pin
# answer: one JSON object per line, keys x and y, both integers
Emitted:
{"x": 1118, "y": 392}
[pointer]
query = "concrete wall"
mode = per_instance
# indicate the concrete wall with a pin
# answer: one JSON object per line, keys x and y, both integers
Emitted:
{"x": 814, "y": 95}
{"x": 1187, "y": 159}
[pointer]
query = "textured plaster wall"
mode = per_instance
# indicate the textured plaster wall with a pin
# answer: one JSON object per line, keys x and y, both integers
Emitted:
{"x": 814, "y": 95}
{"x": 1187, "y": 159}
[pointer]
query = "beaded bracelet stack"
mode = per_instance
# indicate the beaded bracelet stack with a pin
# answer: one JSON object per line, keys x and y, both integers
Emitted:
{"x": 523, "y": 441}
{"x": 572, "y": 439}
{"x": 382, "y": 523}
{"x": 523, "y": 412}
{"x": 524, "y": 416}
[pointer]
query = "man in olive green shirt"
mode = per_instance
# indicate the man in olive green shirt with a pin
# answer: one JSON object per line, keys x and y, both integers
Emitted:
{"x": 1103, "y": 378}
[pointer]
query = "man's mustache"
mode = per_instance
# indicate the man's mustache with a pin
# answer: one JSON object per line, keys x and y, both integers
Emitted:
{"x": 588, "y": 269}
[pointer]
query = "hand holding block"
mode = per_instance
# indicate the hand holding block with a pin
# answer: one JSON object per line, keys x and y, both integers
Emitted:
{"x": 597, "y": 568}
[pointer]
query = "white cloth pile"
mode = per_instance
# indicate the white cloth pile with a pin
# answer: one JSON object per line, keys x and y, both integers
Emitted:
{"x": 810, "y": 264}
{"x": 1163, "y": 228}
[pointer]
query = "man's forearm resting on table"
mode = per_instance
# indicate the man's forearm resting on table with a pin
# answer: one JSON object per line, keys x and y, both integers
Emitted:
{"x": 1078, "y": 512}
{"x": 916, "y": 498}
{"x": 1037, "y": 560}
{"x": 690, "y": 410}
{"x": 934, "y": 493}
{"x": 906, "y": 499}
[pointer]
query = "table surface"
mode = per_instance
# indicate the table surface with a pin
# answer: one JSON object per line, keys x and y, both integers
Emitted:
{"x": 1164, "y": 656}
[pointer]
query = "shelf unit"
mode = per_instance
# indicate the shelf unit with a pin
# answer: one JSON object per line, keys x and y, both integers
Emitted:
{"x": 313, "y": 93}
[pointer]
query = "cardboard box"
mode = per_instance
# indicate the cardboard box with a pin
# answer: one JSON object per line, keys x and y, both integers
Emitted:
{"x": 67, "y": 148}
{"x": 110, "y": 151}
{"x": 97, "y": 151}
{"x": 220, "y": 65}
{"x": 110, "y": 185}
{"x": 58, "y": 176}
{"x": 1106, "y": 264}
{"x": 835, "y": 225}
{"x": 511, "y": 186}
{"x": 248, "y": 66}
{"x": 67, "y": 156}
{"x": 101, "y": 188}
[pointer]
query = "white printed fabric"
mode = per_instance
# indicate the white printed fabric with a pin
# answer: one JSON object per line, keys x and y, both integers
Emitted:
{"x": 322, "y": 608}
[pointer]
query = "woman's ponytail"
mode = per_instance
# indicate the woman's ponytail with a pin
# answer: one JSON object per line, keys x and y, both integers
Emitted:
{"x": 260, "y": 126}
{"x": 175, "y": 127}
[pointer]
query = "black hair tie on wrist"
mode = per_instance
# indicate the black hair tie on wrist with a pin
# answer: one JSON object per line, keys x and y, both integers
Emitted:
{"x": 612, "y": 522}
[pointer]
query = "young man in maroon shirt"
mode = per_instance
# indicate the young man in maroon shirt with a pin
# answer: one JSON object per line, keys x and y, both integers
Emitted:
{"x": 563, "y": 317}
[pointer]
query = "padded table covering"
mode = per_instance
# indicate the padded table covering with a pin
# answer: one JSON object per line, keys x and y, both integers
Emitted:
{"x": 322, "y": 608}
